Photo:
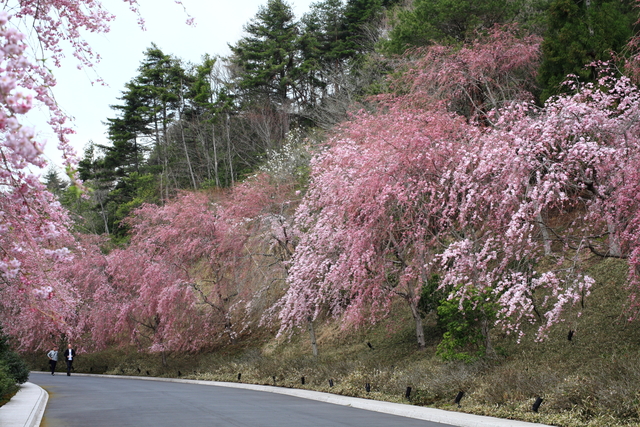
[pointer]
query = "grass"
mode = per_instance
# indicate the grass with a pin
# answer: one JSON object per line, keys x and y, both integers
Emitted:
{"x": 7, "y": 396}
{"x": 591, "y": 381}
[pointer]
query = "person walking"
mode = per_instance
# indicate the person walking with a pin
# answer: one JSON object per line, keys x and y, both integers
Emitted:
{"x": 69, "y": 355}
{"x": 53, "y": 359}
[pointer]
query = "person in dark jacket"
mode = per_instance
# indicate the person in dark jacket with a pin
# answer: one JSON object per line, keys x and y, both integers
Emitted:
{"x": 69, "y": 355}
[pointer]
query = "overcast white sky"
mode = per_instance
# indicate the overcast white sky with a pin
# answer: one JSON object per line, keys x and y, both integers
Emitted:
{"x": 218, "y": 22}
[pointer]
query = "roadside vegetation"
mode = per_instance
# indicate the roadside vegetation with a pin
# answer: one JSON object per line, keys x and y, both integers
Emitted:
{"x": 13, "y": 370}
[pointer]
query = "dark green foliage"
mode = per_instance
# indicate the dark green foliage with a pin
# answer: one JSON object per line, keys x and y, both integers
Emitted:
{"x": 53, "y": 181}
{"x": 325, "y": 33}
{"x": 17, "y": 367}
{"x": 466, "y": 337}
{"x": 446, "y": 21}
{"x": 430, "y": 296}
{"x": 131, "y": 192}
{"x": 579, "y": 33}
{"x": 13, "y": 370}
{"x": 7, "y": 383}
{"x": 360, "y": 19}
{"x": 127, "y": 130}
{"x": 322, "y": 47}
{"x": 266, "y": 57}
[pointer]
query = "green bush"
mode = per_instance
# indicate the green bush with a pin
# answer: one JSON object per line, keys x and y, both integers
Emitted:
{"x": 18, "y": 369}
{"x": 13, "y": 370}
{"x": 7, "y": 382}
{"x": 466, "y": 325}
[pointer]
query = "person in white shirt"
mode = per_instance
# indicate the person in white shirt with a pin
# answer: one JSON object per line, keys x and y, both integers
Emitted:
{"x": 53, "y": 359}
{"x": 69, "y": 355}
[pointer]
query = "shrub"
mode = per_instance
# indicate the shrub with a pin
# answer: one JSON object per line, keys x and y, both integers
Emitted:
{"x": 466, "y": 335}
{"x": 18, "y": 369}
{"x": 13, "y": 370}
{"x": 7, "y": 382}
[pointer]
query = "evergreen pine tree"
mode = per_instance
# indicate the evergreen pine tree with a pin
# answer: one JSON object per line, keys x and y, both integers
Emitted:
{"x": 581, "y": 32}
{"x": 267, "y": 57}
{"x": 446, "y": 21}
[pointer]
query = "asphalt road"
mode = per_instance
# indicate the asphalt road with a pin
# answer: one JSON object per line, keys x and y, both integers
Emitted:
{"x": 96, "y": 402}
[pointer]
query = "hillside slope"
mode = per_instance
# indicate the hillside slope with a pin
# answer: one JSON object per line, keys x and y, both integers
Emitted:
{"x": 590, "y": 380}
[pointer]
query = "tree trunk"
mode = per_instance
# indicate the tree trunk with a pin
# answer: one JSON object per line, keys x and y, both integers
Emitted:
{"x": 228, "y": 330}
{"x": 215, "y": 154}
{"x": 135, "y": 150}
{"x": 486, "y": 334}
{"x": 202, "y": 136}
{"x": 587, "y": 5}
{"x": 545, "y": 234}
{"x": 228, "y": 125}
{"x": 413, "y": 304}
{"x": 614, "y": 241}
{"x": 104, "y": 216}
{"x": 184, "y": 141}
{"x": 312, "y": 335}
{"x": 186, "y": 155}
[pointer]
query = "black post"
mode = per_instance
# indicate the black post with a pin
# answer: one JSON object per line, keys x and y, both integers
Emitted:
{"x": 536, "y": 404}
{"x": 274, "y": 380}
{"x": 458, "y": 398}
{"x": 239, "y": 376}
{"x": 407, "y": 393}
{"x": 330, "y": 382}
{"x": 367, "y": 387}
{"x": 302, "y": 380}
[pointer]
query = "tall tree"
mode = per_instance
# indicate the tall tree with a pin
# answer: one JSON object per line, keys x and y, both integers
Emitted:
{"x": 446, "y": 21}
{"x": 267, "y": 57}
{"x": 361, "y": 26}
{"x": 581, "y": 33}
{"x": 128, "y": 130}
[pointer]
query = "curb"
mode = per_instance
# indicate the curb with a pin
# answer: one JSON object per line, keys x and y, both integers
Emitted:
{"x": 459, "y": 419}
{"x": 26, "y": 408}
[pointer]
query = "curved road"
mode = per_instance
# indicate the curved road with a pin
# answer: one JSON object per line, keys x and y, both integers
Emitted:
{"x": 93, "y": 401}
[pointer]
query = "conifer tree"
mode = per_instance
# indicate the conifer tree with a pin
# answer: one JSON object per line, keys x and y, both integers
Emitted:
{"x": 446, "y": 21}
{"x": 580, "y": 33}
{"x": 359, "y": 15}
{"x": 267, "y": 56}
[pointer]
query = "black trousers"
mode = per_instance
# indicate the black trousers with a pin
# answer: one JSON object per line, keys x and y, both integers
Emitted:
{"x": 69, "y": 366}
{"x": 52, "y": 365}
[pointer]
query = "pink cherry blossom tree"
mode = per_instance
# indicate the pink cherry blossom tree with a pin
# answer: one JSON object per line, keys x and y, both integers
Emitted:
{"x": 34, "y": 241}
{"x": 549, "y": 184}
{"x": 184, "y": 280}
{"x": 34, "y": 238}
{"x": 379, "y": 208}
{"x": 495, "y": 69}
{"x": 411, "y": 191}
{"x": 373, "y": 219}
